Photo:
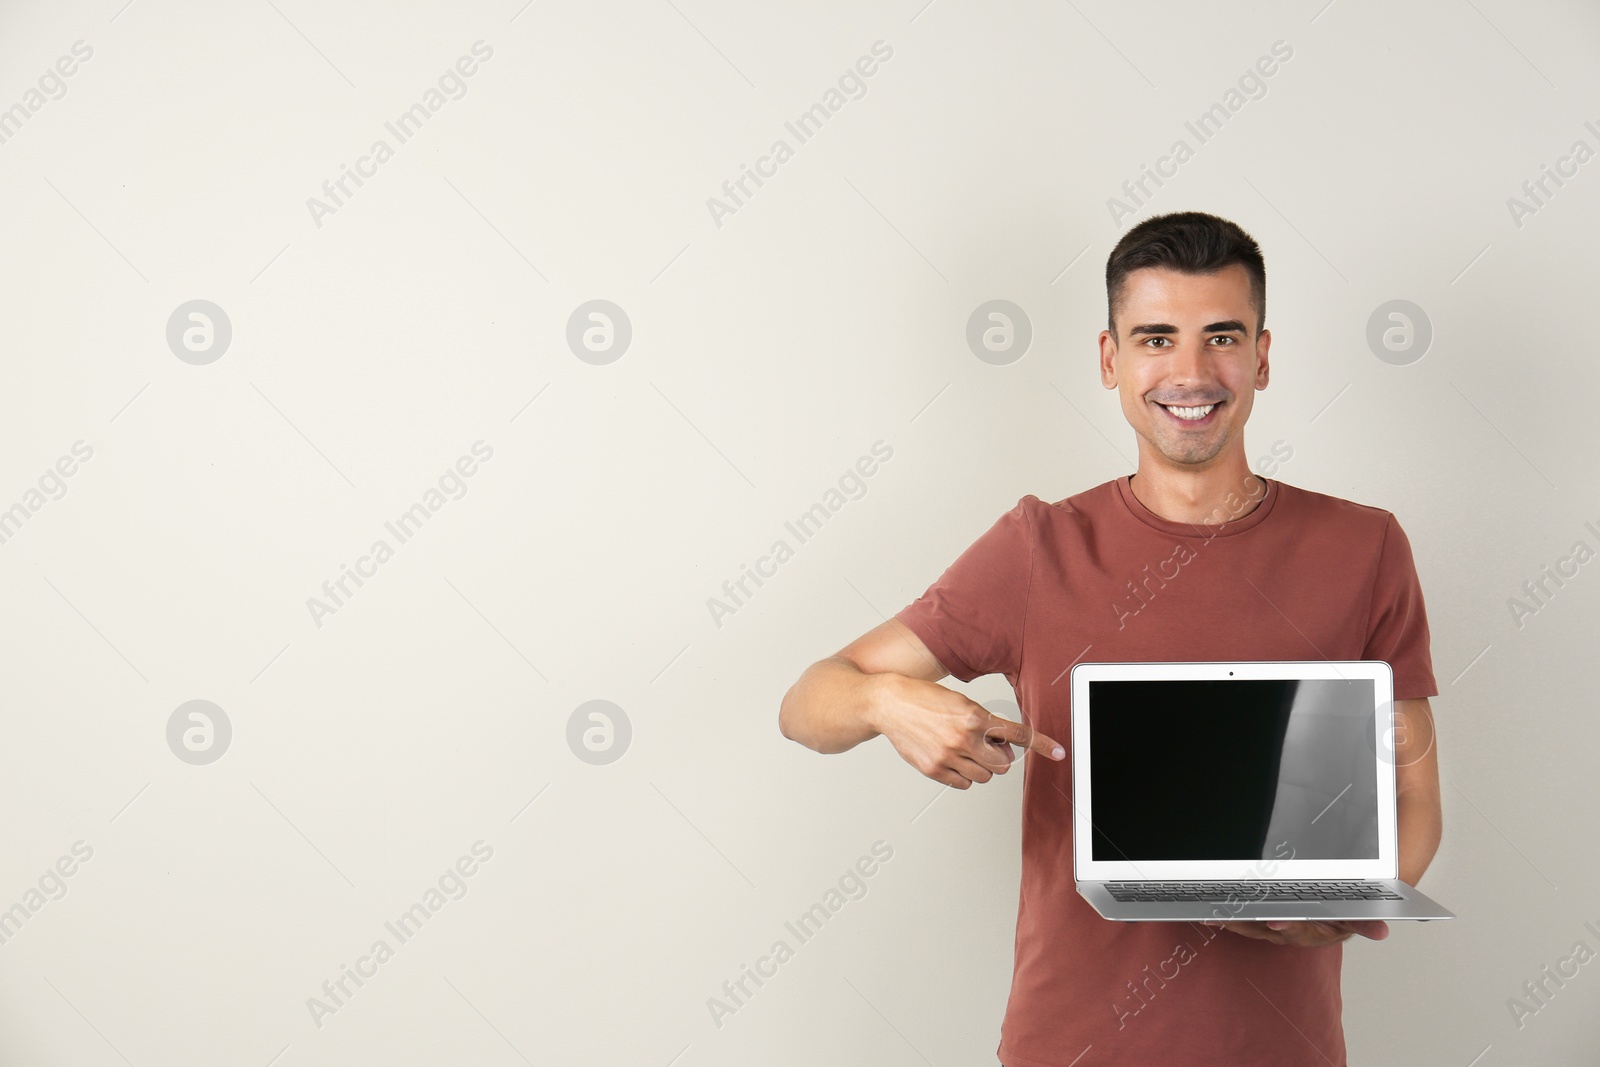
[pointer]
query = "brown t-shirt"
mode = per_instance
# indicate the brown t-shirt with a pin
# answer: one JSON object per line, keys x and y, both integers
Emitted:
{"x": 1099, "y": 577}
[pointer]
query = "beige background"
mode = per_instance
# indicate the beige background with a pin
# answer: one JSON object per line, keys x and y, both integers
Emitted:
{"x": 429, "y": 312}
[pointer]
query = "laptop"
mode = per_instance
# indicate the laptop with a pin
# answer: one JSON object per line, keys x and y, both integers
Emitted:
{"x": 1238, "y": 791}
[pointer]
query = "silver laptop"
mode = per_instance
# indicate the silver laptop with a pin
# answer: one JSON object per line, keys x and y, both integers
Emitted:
{"x": 1237, "y": 791}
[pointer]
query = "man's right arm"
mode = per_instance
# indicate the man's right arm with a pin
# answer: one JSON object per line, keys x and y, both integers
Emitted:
{"x": 886, "y": 682}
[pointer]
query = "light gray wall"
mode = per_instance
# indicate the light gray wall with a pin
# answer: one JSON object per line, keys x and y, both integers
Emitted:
{"x": 372, "y": 346}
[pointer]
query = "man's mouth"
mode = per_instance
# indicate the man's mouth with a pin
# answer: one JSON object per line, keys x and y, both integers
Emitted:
{"x": 1192, "y": 416}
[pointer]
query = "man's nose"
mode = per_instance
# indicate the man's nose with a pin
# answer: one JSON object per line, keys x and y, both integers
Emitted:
{"x": 1190, "y": 364}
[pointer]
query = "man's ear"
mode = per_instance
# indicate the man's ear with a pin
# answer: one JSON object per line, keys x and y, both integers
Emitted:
{"x": 1108, "y": 353}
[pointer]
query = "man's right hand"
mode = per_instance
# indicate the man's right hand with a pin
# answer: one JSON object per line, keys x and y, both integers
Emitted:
{"x": 886, "y": 682}
{"x": 948, "y": 737}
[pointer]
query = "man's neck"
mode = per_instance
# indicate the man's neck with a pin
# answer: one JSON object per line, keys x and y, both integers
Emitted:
{"x": 1210, "y": 499}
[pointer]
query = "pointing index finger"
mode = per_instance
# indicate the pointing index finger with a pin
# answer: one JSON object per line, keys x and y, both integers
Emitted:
{"x": 1022, "y": 734}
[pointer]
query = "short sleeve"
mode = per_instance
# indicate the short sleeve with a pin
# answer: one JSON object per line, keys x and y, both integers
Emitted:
{"x": 1397, "y": 623}
{"x": 972, "y": 618}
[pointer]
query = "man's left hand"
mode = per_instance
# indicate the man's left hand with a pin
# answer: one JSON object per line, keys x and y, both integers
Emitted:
{"x": 1307, "y": 933}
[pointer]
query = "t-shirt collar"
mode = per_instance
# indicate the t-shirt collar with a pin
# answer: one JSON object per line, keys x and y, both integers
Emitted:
{"x": 1195, "y": 529}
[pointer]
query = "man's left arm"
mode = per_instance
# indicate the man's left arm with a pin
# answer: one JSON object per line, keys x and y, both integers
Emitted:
{"x": 1416, "y": 772}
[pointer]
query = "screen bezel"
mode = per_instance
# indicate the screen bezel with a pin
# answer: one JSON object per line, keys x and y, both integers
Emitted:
{"x": 1087, "y": 869}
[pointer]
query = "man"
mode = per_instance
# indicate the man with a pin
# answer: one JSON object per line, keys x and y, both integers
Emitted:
{"x": 1192, "y": 558}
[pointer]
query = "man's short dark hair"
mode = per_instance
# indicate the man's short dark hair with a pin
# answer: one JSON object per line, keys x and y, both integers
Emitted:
{"x": 1188, "y": 241}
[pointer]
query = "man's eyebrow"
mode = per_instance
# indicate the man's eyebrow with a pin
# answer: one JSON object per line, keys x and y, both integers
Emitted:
{"x": 1226, "y": 326}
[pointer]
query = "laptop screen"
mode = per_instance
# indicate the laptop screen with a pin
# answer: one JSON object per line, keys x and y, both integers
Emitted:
{"x": 1235, "y": 769}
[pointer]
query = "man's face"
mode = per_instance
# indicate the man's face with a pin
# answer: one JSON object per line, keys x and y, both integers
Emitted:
{"x": 1185, "y": 340}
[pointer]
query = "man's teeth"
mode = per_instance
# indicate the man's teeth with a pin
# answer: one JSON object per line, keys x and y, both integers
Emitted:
{"x": 1191, "y": 413}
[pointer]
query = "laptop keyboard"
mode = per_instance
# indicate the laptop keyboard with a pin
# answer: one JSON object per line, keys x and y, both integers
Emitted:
{"x": 1206, "y": 892}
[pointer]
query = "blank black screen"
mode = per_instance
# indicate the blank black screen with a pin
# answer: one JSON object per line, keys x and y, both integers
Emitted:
{"x": 1233, "y": 769}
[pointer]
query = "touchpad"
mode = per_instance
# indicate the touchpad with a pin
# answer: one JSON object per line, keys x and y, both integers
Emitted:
{"x": 1311, "y": 909}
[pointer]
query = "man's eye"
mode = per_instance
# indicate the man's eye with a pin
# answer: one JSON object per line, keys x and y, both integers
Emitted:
{"x": 1223, "y": 337}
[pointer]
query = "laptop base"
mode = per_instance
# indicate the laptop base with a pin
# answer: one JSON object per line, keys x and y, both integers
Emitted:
{"x": 1412, "y": 905}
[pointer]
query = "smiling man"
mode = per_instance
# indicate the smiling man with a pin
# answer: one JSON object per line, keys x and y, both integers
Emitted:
{"x": 1190, "y": 558}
